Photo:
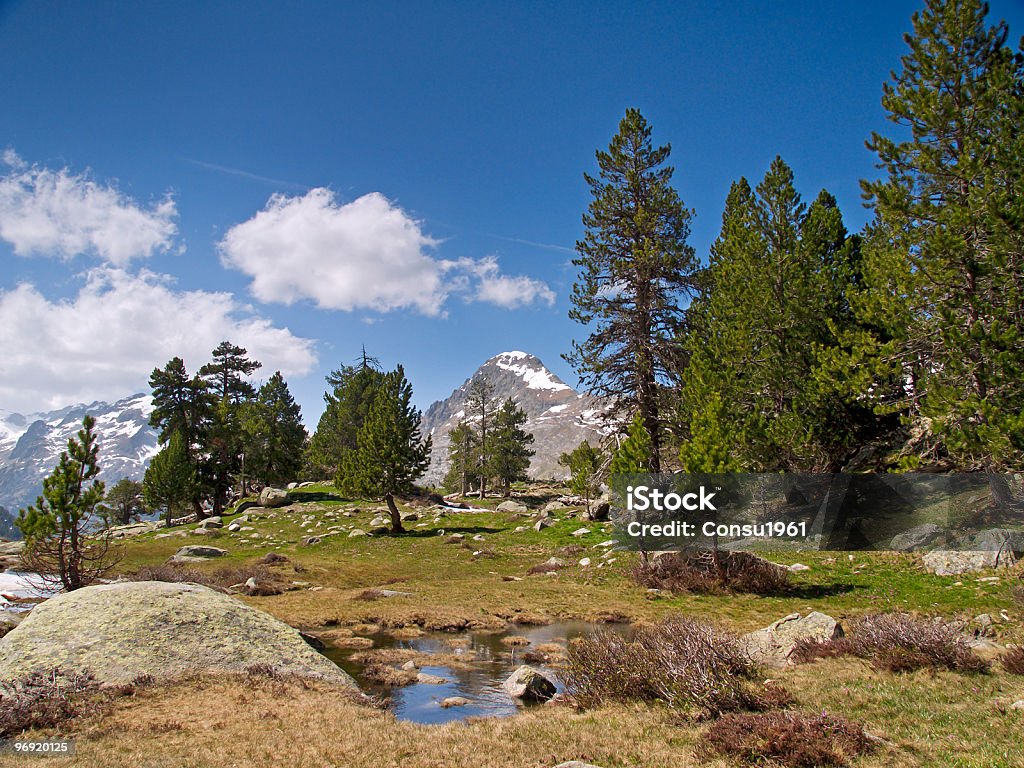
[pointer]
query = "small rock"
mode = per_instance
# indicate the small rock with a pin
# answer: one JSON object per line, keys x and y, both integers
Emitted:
{"x": 513, "y": 506}
{"x": 273, "y": 497}
{"x": 425, "y": 679}
{"x": 599, "y": 511}
{"x": 234, "y": 527}
{"x": 478, "y": 537}
{"x": 454, "y": 701}
{"x": 311, "y": 540}
{"x": 1018, "y": 705}
{"x": 915, "y": 538}
{"x": 953, "y": 563}
{"x": 541, "y": 524}
{"x": 797, "y": 567}
{"x": 356, "y": 532}
{"x": 581, "y": 532}
{"x": 529, "y": 684}
{"x": 584, "y": 562}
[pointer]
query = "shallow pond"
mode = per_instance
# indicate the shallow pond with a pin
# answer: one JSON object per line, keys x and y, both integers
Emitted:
{"x": 488, "y": 664}
{"x": 19, "y": 586}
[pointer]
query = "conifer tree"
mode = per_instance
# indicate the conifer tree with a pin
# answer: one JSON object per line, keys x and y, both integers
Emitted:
{"x": 479, "y": 413}
{"x": 124, "y": 502}
{"x": 60, "y": 543}
{"x": 944, "y": 266}
{"x": 390, "y": 454}
{"x": 584, "y": 465}
{"x": 274, "y": 437}
{"x": 510, "y": 446}
{"x": 633, "y": 456}
{"x": 636, "y": 271}
{"x": 348, "y": 403}
{"x": 461, "y": 458}
{"x": 171, "y": 481}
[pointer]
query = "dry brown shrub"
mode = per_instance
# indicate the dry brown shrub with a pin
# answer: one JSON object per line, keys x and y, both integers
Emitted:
{"x": 684, "y": 663}
{"x": 710, "y": 572}
{"x": 44, "y": 700}
{"x": 787, "y": 738}
{"x": 1013, "y": 660}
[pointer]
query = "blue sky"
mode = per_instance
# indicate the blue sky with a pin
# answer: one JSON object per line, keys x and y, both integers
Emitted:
{"x": 307, "y": 178}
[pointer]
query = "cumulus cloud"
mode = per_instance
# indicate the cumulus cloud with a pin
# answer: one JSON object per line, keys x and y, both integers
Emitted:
{"x": 365, "y": 254}
{"x": 105, "y": 341}
{"x": 45, "y": 212}
{"x": 490, "y": 286}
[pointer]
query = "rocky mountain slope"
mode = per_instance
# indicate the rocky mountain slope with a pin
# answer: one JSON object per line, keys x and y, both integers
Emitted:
{"x": 31, "y": 444}
{"x": 558, "y": 416}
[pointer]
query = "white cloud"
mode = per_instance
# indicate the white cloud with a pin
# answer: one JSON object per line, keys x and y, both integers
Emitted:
{"x": 493, "y": 287}
{"x": 366, "y": 254}
{"x": 104, "y": 342}
{"x": 57, "y": 213}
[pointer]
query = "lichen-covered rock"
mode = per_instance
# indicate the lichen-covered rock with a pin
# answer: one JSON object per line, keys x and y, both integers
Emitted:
{"x": 273, "y": 497}
{"x": 513, "y": 506}
{"x": 943, "y": 562}
{"x": 774, "y": 644}
{"x": 196, "y": 553}
{"x": 120, "y": 631}
{"x": 1001, "y": 540}
{"x": 528, "y": 684}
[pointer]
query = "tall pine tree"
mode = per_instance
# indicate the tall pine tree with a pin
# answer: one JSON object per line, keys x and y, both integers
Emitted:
{"x": 636, "y": 272}
{"x": 390, "y": 453}
{"x": 273, "y": 435}
{"x": 510, "y": 446}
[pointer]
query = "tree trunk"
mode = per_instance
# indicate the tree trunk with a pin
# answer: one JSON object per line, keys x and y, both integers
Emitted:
{"x": 396, "y": 517}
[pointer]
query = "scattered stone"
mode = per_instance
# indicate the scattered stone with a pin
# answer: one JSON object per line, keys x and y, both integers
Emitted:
{"x": 234, "y": 527}
{"x": 608, "y": 543}
{"x": 122, "y": 630}
{"x": 309, "y": 541}
{"x": 774, "y": 644}
{"x": 915, "y": 538}
{"x": 454, "y": 701}
{"x": 797, "y": 567}
{"x": 356, "y": 532}
{"x": 196, "y": 553}
{"x": 529, "y": 684}
{"x": 212, "y": 522}
{"x": 409, "y": 517}
{"x": 427, "y": 679}
{"x": 410, "y": 666}
{"x": 478, "y": 537}
{"x": 513, "y": 506}
{"x": 599, "y": 511}
{"x": 273, "y": 497}
{"x": 1001, "y": 540}
{"x": 553, "y": 506}
{"x": 584, "y": 562}
{"x": 122, "y": 531}
{"x": 944, "y": 562}
{"x": 541, "y": 524}
{"x": 1018, "y": 705}
{"x": 378, "y": 521}
{"x": 581, "y": 532}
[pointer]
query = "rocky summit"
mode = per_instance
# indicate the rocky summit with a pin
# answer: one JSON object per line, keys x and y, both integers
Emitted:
{"x": 559, "y": 417}
{"x": 119, "y": 631}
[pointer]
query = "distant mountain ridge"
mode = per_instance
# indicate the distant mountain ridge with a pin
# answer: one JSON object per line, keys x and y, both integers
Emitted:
{"x": 31, "y": 444}
{"x": 559, "y": 417}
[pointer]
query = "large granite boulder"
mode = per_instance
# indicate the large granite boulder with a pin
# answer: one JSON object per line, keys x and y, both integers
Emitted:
{"x": 273, "y": 497}
{"x": 943, "y": 562}
{"x": 773, "y": 645}
{"x": 120, "y": 631}
{"x": 513, "y": 506}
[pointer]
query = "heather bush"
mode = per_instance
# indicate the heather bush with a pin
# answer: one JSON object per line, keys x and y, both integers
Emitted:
{"x": 712, "y": 572}
{"x": 43, "y": 700}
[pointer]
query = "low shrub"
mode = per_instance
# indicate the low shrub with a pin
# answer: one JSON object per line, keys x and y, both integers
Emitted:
{"x": 898, "y": 642}
{"x": 787, "y": 738}
{"x": 1013, "y": 660}
{"x": 43, "y": 700}
{"x": 712, "y": 572}
{"x": 684, "y": 663}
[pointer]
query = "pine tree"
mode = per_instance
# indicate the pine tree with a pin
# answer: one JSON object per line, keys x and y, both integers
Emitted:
{"x": 944, "y": 266}
{"x": 633, "y": 456}
{"x": 124, "y": 502}
{"x": 461, "y": 458}
{"x": 59, "y": 543}
{"x": 171, "y": 481}
{"x": 636, "y": 271}
{"x": 479, "y": 413}
{"x": 348, "y": 403}
{"x": 227, "y": 386}
{"x": 390, "y": 454}
{"x": 273, "y": 435}
{"x": 584, "y": 465}
{"x": 510, "y": 451}
{"x": 183, "y": 406}
{"x": 774, "y": 297}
